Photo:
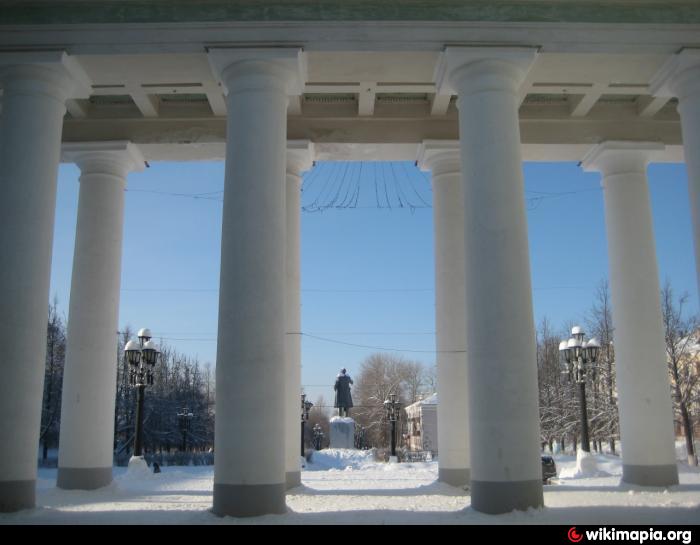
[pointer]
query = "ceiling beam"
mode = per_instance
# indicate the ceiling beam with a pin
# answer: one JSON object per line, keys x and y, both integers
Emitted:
{"x": 439, "y": 104}
{"x": 649, "y": 106}
{"x": 585, "y": 103}
{"x": 366, "y": 99}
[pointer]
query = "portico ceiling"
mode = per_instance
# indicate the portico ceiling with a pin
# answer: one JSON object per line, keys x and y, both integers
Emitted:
{"x": 370, "y": 91}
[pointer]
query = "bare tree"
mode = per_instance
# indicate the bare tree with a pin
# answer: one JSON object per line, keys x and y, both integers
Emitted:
{"x": 681, "y": 354}
{"x": 558, "y": 409}
{"x": 381, "y": 375}
{"x": 604, "y": 413}
{"x": 318, "y": 415}
{"x": 53, "y": 379}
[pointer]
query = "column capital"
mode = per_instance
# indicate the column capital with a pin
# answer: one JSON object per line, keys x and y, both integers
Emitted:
{"x": 468, "y": 70}
{"x": 679, "y": 76}
{"x": 112, "y": 157}
{"x": 620, "y": 157}
{"x": 300, "y": 156}
{"x": 440, "y": 156}
{"x": 240, "y": 69}
{"x": 53, "y": 73}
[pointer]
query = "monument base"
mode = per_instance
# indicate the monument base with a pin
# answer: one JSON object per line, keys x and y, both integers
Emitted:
{"x": 342, "y": 432}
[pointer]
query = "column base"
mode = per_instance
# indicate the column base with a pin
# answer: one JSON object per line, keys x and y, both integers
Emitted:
{"x": 17, "y": 495}
{"x": 496, "y": 497}
{"x": 83, "y": 478}
{"x": 249, "y": 500}
{"x": 454, "y": 476}
{"x": 293, "y": 479}
{"x": 650, "y": 475}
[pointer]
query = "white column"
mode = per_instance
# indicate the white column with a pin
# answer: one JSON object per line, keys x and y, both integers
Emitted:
{"x": 89, "y": 378}
{"x": 443, "y": 159}
{"x": 299, "y": 159}
{"x": 249, "y": 476}
{"x": 680, "y": 77}
{"x": 506, "y": 470}
{"x": 644, "y": 392}
{"x": 35, "y": 87}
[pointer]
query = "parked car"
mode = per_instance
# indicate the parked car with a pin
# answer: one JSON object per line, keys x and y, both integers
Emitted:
{"x": 549, "y": 469}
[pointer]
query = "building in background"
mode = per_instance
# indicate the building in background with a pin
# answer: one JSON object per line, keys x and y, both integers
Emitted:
{"x": 422, "y": 428}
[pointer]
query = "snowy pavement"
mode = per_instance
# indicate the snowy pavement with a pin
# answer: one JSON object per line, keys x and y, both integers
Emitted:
{"x": 348, "y": 488}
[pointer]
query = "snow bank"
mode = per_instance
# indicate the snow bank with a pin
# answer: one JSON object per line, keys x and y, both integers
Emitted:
{"x": 137, "y": 471}
{"x": 406, "y": 493}
{"x": 586, "y": 467}
{"x": 340, "y": 459}
{"x": 343, "y": 419}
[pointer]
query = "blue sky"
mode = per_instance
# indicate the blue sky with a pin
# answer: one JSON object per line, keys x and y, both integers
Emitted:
{"x": 367, "y": 272}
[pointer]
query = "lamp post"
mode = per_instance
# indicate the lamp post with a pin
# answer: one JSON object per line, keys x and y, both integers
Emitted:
{"x": 142, "y": 358}
{"x": 576, "y": 356}
{"x": 392, "y": 408}
{"x": 318, "y": 436}
{"x": 184, "y": 420}
{"x": 360, "y": 437}
{"x": 305, "y": 408}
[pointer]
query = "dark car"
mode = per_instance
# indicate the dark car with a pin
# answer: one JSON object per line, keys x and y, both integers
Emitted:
{"x": 549, "y": 469}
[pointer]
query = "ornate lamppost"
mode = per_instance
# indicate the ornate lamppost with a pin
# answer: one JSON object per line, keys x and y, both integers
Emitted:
{"x": 142, "y": 358}
{"x": 577, "y": 356}
{"x": 305, "y": 408}
{"x": 392, "y": 408}
{"x": 318, "y": 436}
{"x": 184, "y": 421}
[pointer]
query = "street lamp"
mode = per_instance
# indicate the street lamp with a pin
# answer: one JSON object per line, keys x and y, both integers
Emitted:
{"x": 318, "y": 436}
{"x": 360, "y": 437}
{"x": 184, "y": 420}
{"x": 142, "y": 358}
{"x": 392, "y": 408}
{"x": 576, "y": 356}
{"x": 305, "y": 408}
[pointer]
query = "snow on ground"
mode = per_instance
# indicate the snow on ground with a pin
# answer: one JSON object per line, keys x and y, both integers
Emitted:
{"x": 350, "y": 488}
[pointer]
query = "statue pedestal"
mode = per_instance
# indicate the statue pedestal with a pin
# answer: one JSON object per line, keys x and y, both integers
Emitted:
{"x": 342, "y": 432}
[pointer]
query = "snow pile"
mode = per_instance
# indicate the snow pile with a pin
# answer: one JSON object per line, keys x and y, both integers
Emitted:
{"x": 138, "y": 470}
{"x": 586, "y": 467}
{"x": 340, "y": 459}
{"x": 343, "y": 419}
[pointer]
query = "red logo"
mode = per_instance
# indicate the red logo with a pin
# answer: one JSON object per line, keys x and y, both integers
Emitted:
{"x": 573, "y": 535}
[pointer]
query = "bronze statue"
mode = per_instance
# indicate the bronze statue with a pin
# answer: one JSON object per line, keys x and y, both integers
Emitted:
{"x": 343, "y": 399}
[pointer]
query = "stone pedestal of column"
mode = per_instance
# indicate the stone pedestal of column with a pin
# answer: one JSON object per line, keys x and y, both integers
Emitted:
{"x": 342, "y": 432}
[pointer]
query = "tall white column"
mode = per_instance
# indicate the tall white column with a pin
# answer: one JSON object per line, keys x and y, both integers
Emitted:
{"x": 644, "y": 393}
{"x": 443, "y": 159}
{"x": 506, "y": 471}
{"x": 89, "y": 378}
{"x": 35, "y": 87}
{"x": 299, "y": 159}
{"x": 249, "y": 476}
{"x": 680, "y": 77}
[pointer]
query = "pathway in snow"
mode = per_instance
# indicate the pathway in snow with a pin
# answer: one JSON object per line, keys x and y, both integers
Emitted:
{"x": 350, "y": 488}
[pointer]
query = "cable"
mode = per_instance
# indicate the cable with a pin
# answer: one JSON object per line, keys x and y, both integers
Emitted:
{"x": 335, "y": 341}
{"x": 368, "y": 290}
